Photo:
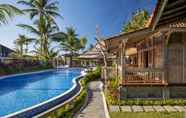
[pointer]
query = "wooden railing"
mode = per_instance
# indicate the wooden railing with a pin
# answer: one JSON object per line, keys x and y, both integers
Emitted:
{"x": 138, "y": 76}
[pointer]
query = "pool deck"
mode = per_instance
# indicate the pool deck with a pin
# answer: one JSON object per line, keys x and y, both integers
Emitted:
{"x": 95, "y": 107}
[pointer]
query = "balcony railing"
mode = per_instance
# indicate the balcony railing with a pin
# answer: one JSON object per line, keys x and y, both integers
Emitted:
{"x": 138, "y": 76}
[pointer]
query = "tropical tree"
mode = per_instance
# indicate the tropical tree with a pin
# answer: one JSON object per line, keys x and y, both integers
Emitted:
{"x": 43, "y": 13}
{"x": 70, "y": 42}
{"x": 43, "y": 30}
{"x": 41, "y": 8}
{"x": 22, "y": 45}
{"x": 138, "y": 21}
{"x": 8, "y": 11}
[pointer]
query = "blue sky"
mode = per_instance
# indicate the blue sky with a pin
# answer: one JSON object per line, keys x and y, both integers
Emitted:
{"x": 83, "y": 15}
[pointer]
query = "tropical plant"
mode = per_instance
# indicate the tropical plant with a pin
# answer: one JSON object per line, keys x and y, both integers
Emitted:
{"x": 22, "y": 44}
{"x": 138, "y": 21}
{"x": 8, "y": 11}
{"x": 70, "y": 42}
{"x": 43, "y": 30}
{"x": 41, "y": 8}
{"x": 43, "y": 12}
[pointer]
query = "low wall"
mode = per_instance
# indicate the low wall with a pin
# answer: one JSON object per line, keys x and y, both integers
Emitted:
{"x": 153, "y": 92}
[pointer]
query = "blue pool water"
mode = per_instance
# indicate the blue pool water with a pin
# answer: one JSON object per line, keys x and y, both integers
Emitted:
{"x": 20, "y": 92}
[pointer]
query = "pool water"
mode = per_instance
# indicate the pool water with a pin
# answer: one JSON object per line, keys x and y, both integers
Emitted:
{"x": 20, "y": 92}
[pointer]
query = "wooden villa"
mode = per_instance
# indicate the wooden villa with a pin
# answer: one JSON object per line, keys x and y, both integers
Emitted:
{"x": 152, "y": 61}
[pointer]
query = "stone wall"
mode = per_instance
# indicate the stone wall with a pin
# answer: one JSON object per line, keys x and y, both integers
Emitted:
{"x": 153, "y": 92}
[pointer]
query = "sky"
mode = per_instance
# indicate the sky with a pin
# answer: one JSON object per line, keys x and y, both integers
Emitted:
{"x": 83, "y": 15}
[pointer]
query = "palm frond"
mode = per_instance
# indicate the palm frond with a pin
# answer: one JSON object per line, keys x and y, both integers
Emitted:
{"x": 29, "y": 28}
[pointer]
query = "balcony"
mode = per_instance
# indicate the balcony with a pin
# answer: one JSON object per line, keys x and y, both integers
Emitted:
{"x": 138, "y": 76}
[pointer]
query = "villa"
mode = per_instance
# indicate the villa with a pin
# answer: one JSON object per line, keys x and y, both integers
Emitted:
{"x": 151, "y": 61}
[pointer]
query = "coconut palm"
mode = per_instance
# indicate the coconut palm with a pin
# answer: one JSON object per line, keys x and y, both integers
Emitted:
{"x": 41, "y": 8}
{"x": 43, "y": 12}
{"x": 43, "y": 29}
{"x": 22, "y": 44}
{"x": 70, "y": 42}
{"x": 8, "y": 11}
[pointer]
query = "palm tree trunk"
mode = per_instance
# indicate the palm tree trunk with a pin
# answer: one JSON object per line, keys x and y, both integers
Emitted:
{"x": 21, "y": 49}
{"x": 70, "y": 61}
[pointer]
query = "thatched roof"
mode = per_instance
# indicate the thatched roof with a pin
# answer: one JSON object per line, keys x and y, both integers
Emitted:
{"x": 95, "y": 52}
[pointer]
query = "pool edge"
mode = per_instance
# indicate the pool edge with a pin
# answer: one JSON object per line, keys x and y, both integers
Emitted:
{"x": 42, "y": 107}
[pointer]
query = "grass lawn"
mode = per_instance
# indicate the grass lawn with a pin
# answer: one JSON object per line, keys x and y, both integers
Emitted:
{"x": 146, "y": 115}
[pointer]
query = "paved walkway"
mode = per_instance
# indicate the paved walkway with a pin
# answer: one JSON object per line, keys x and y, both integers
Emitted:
{"x": 148, "y": 108}
{"x": 95, "y": 107}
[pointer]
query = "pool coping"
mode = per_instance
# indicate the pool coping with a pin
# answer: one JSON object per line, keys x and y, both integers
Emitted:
{"x": 75, "y": 81}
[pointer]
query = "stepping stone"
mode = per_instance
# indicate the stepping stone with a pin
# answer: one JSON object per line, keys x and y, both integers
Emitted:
{"x": 148, "y": 108}
{"x": 180, "y": 108}
{"x": 114, "y": 109}
{"x": 159, "y": 108}
{"x": 126, "y": 108}
{"x": 137, "y": 108}
{"x": 170, "y": 108}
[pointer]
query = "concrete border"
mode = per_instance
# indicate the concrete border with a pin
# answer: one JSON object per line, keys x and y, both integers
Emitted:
{"x": 104, "y": 102}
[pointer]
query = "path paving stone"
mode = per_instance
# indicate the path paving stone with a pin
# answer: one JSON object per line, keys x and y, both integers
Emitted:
{"x": 159, "y": 108}
{"x": 148, "y": 108}
{"x": 137, "y": 109}
{"x": 95, "y": 108}
{"x": 114, "y": 108}
{"x": 126, "y": 108}
{"x": 180, "y": 108}
{"x": 170, "y": 108}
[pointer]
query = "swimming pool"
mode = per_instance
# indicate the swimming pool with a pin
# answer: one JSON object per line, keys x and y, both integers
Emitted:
{"x": 25, "y": 91}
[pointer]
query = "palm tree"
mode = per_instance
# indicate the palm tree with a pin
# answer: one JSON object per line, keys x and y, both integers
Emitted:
{"x": 43, "y": 12}
{"x": 22, "y": 42}
{"x": 41, "y": 8}
{"x": 70, "y": 42}
{"x": 43, "y": 30}
{"x": 8, "y": 11}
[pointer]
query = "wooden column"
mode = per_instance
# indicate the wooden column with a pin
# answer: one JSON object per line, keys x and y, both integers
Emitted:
{"x": 123, "y": 70}
{"x": 123, "y": 61}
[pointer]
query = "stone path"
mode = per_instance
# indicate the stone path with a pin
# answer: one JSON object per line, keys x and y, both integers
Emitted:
{"x": 95, "y": 107}
{"x": 147, "y": 108}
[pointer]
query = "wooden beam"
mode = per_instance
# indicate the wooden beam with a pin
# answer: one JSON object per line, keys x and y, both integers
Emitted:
{"x": 173, "y": 15}
{"x": 171, "y": 11}
{"x": 159, "y": 14}
{"x": 177, "y": 2}
{"x": 173, "y": 20}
